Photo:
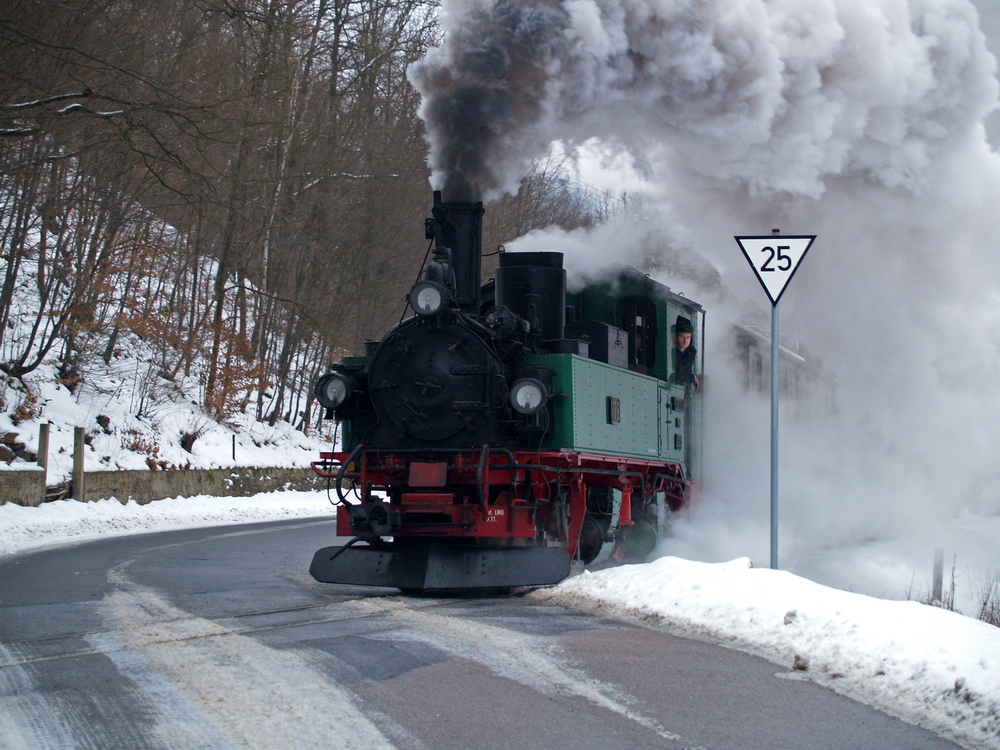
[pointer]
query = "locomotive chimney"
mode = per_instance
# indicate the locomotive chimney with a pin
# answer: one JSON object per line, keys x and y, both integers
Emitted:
{"x": 459, "y": 227}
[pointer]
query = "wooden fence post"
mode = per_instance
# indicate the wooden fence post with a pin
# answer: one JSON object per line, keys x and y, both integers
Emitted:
{"x": 43, "y": 445}
{"x": 78, "y": 446}
{"x": 937, "y": 582}
{"x": 43, "y": 454}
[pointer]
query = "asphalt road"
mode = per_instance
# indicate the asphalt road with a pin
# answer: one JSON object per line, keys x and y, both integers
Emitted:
{"x": 218, "y": 638}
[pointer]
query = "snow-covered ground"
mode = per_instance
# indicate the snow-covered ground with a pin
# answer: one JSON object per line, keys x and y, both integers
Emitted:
{"x": 131, "y": 425}
{"x": 925, "y": 665}
{"x": 69, "y": 522}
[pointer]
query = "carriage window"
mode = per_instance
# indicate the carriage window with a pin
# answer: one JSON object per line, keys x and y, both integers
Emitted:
{"x": 638, "y": 318}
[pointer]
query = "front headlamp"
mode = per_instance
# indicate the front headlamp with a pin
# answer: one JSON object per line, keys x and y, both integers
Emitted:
{"x": 428, "y": 298}
{"x": 332, "y": 390}
{"x": 528, "y": 395}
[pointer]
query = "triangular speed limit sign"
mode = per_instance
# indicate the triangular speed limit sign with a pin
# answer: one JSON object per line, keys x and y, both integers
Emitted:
{"x": 775, "y": 259}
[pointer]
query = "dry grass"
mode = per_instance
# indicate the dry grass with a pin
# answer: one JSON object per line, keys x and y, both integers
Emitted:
{"x": 989, "y": 597}
{"x": 986, "y": 588}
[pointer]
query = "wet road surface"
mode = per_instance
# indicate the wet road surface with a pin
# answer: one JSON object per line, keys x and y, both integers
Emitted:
{"x": 218, "y": 638}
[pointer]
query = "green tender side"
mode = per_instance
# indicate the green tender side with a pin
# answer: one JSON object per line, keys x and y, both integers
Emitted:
{"x": 650, "y": 412}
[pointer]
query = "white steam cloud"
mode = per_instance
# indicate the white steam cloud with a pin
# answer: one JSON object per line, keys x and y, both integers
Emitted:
{"x": 860, "y": 121}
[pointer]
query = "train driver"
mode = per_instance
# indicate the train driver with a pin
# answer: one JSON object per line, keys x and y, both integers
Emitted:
{"x": 684, "y": 353}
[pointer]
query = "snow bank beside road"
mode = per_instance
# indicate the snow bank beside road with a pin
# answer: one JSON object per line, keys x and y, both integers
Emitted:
{"x": 70, "y": 522}
{"x": 930, "y": 667}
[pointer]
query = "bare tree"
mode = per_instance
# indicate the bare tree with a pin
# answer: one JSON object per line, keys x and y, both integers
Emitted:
{"x": 548, "y": 196}
{"x": 240, "y": 184}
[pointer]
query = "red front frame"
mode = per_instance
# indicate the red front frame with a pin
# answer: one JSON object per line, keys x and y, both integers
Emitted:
{"x": 481, "y": 496}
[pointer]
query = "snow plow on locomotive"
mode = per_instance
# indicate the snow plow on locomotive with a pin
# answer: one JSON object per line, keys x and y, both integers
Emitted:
{"x": 505, "y": 430}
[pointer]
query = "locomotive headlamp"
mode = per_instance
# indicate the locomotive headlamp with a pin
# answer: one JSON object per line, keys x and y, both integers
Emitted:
{"x": 527, "y": 396}
{"x": 428, "y": 298}
{"x": 332, "y": 390}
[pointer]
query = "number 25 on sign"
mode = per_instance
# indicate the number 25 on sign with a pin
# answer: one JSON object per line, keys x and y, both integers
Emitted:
{"x": 775, "y": 260}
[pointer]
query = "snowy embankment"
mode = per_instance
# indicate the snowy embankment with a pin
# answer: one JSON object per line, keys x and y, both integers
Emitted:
{"x": 925, "y": 665}
{"x": 70, "y": 522}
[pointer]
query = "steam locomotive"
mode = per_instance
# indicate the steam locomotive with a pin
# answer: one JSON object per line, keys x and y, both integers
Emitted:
{"x": 504, "y": 431}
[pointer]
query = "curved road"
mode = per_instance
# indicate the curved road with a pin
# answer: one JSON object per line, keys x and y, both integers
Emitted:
{"x": 218, "y": 638}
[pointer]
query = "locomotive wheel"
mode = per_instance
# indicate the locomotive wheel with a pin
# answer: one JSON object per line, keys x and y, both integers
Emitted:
{"x": 639, "y": 540}
{"x": 591, "y": 540}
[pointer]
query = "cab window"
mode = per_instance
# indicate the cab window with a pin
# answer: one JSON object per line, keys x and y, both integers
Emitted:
{"x": 638, "y": 318}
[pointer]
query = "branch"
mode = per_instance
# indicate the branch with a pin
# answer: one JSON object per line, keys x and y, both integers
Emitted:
{"x": 18, "y": 132}
{"x": 47, "y": 100}
{"x": 80, "y": 108}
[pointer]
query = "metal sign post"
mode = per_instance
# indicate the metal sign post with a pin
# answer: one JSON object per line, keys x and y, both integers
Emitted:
{"x": 775, "y": 260}
{"x": 775, "y": 381}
